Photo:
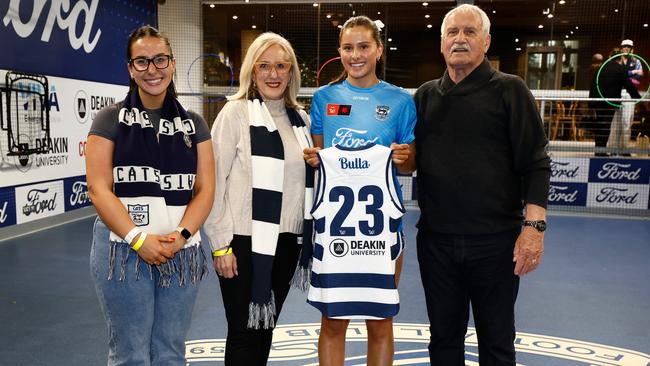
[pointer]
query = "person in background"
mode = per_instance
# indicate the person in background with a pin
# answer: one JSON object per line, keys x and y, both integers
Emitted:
{"x": 633, "y": 64}
{"x": 482, "y": 173}
{"x": 357, "y": 110}
{"x": 258, "y": 216}
{"x": 150, "y": 173}
{"x": 608, "y": 84}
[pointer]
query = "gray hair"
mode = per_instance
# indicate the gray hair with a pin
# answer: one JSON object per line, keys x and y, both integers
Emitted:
{"x": 255, "y": 50}
{"x": 467, "y": 8}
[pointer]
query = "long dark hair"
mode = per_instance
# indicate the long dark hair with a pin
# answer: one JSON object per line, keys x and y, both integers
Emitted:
{"x": 148, "y": 31}
{"x": 360, "y": 21}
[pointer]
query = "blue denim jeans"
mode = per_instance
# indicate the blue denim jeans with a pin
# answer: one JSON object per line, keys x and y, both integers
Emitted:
{"x": 147, "y": 323}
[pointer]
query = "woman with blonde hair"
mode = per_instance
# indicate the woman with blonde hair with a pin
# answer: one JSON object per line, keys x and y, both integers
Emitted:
{"x": 256, "y": 222}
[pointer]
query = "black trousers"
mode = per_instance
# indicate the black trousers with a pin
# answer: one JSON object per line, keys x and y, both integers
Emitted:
{"x": 250, "y": 347}
{"x": 457, "y": 270}
{"x": 602, "y": 124}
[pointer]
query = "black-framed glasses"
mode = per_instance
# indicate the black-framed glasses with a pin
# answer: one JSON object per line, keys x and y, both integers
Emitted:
{"x": 142, "y": 63}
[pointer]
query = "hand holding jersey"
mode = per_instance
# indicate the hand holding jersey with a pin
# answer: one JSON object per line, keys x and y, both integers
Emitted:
{"x": 401, "y": 154}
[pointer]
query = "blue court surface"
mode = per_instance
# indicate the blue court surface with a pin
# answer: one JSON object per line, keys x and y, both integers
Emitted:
{"x": 587, "y": 304}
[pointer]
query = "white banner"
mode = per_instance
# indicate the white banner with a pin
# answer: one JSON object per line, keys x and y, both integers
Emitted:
{"x": 37, "y": 201}
{"x": 617, "y": 195}
{"x": 73, "y": 105}
{"x": 574, "y": 170}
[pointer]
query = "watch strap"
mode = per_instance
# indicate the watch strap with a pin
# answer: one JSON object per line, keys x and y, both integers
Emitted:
{"x": 184, "y": 232}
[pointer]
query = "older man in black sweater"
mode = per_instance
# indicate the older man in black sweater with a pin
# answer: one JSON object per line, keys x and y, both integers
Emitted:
{"x": 481, "y": 160}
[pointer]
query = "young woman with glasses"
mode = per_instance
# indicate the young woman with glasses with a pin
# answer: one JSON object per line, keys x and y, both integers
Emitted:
{"x": 150, "y": 172}
{"x": 353, "y": 112}
{"x": 258, "y": 212}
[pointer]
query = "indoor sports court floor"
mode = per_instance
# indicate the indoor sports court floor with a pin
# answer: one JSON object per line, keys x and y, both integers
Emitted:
{"x": 588, "y": 304}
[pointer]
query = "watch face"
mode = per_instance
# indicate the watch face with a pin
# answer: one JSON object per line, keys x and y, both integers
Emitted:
{"x": 541, "y": 225}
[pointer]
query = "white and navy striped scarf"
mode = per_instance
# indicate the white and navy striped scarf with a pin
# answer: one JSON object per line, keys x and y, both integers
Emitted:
{"x": 153, "y": 175}
{"x": 267, "y": 164}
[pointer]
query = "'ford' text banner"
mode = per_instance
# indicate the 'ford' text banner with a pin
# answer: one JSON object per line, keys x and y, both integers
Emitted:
{"x": 80, "y": 39}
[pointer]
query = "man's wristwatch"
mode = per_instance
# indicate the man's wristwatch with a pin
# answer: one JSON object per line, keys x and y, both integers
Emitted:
{"x": 184, "y": 232}
{"x": 539, "y": 225}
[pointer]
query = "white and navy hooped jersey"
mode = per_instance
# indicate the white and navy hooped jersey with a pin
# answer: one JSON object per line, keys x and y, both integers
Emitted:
{"x": 356, "y": 214}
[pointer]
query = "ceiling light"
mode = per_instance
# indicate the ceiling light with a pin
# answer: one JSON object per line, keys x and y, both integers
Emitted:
{"x": 540, "y": 26}
{"x": 254, "y": 26}
{"x": 315, "y": 4}
{"x": 549, "y": 16}
{"x": 562, "y": 2}
{"x": 427, "y": 16}
{"x": 494, "y": 11}
{"x": 516, "y": 39}
{"x": 577, "y": 27}
{"x": 339, "y": 26}
{"x": 235, "y": 17}
{"x": 429, "y": 26}
{"x": 393, "y": 48}
{"x": 615, "y": 10}
{"x": 390, "y": 40}
{"x": 645, "y": 25}
{"x": 378, "y": 13}
{"x": 566, "y": 36}
{"x": 571, "y": 32}
{"x": 425, "y": 4}
{"x": 212, "y": 6}
{"x": 518, "y": 49}
{"x": 328, "y": 16}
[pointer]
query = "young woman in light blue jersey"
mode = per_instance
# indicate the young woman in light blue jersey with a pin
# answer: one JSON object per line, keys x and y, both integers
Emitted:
{"x": 353, "y": 111}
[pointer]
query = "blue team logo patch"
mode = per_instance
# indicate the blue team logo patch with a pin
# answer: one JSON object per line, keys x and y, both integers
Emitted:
{"x": 381, "y": 112}
{"x": 139, "y": 214}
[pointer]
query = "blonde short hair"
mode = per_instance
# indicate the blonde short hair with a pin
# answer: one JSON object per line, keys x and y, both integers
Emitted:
{"x": 256, "y": 49}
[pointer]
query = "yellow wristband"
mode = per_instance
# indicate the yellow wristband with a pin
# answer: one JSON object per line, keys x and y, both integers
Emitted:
{"x": 222, "y": 252}
{"x": 140, "y": 241}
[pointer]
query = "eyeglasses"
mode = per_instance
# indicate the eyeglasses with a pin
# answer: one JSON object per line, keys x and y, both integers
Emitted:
{"x": 142, "y": 63}
{"x": 281, "y": 68}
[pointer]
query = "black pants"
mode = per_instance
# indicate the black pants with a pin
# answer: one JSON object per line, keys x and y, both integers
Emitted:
{"x": 602, "y": 124}
{"x": 250, "y": 347}
{"x": 457, "y": 270}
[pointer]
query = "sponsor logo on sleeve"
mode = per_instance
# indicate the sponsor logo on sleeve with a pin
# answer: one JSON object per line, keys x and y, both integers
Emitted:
{"x": 339, "y": 109}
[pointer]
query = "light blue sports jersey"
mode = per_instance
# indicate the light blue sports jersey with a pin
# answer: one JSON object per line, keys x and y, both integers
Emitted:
{"x": 353, "y": 117}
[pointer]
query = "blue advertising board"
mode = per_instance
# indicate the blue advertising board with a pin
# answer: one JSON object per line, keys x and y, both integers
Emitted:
{"x": 7, "y": 206}
{"x": 78, "y": 39}
{"x": 75, "y": 190}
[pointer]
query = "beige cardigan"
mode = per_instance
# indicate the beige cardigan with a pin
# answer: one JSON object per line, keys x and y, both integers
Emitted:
{"x": 232, "y": 207}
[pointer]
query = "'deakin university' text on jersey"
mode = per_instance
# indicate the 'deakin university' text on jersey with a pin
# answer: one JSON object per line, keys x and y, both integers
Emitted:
{"x": 352, "y": 117}
{"x": 356, "y": 215}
